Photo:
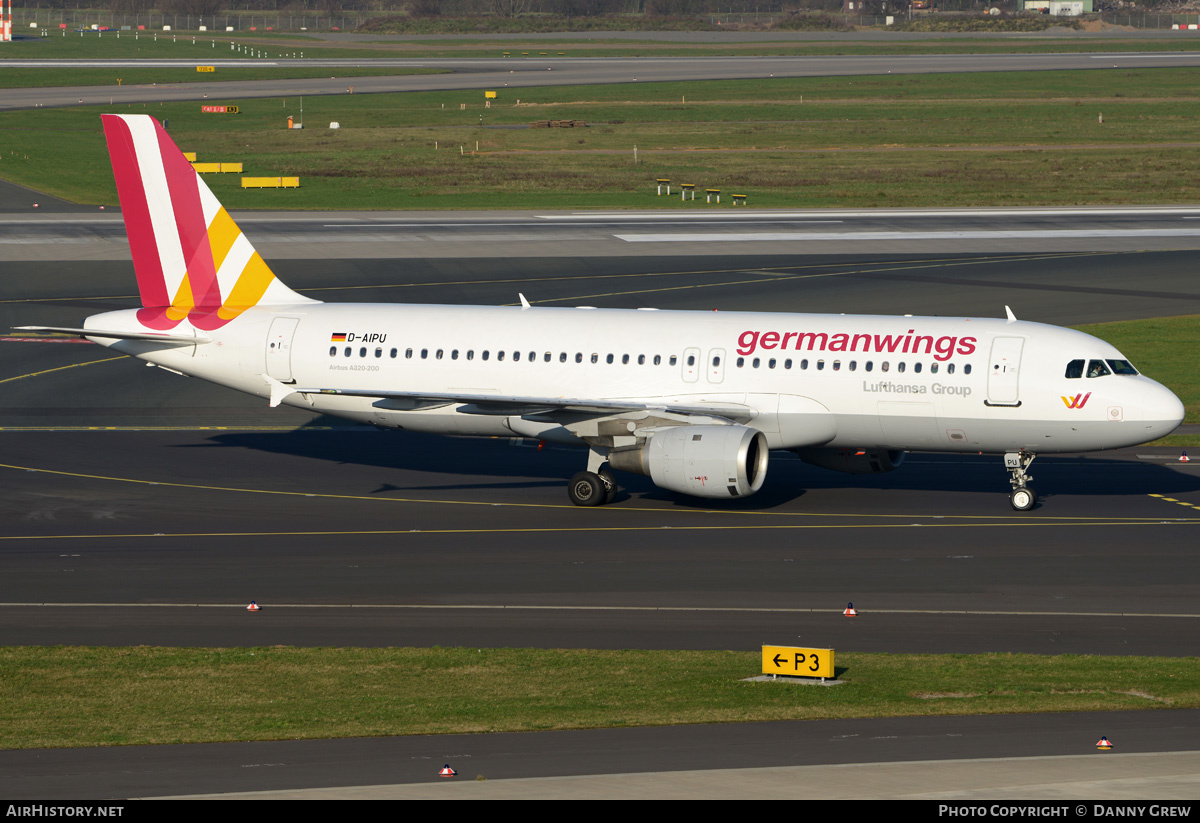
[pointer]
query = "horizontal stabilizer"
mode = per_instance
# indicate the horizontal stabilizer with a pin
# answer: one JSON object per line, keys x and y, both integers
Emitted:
{"x": 119, "y": 335}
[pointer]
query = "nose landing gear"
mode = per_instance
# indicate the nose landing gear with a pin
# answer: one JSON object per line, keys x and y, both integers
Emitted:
{"x": 1023, "y": 498}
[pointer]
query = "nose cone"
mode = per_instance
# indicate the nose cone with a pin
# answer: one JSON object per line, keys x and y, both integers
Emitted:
{"x": 1161, "y": 410}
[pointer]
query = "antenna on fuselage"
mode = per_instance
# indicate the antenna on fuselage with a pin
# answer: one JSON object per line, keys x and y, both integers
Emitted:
{"x": 524, "y": 303}
{"x": 1012, "y": 318}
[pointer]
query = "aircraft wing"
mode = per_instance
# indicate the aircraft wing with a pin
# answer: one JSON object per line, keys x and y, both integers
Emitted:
{"x": 517, "y": 405}
{"x": 118, "y": 335}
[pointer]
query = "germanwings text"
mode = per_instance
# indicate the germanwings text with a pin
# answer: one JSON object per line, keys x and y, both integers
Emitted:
{"x": 942, "y": 348}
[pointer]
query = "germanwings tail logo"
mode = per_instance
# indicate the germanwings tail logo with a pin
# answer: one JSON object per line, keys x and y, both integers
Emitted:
{"x": 191, "y": 260}
{"x": 1076, "y": 402}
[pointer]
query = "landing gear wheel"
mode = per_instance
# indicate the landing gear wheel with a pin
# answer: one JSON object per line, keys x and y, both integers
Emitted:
{"x": 587, "y": 489}
{"x": 610, "y": 485}
{"x": 1023, "y": 499}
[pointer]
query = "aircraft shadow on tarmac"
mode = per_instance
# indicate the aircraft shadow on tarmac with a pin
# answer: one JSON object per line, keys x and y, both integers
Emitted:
{"x": 510, "y": 466}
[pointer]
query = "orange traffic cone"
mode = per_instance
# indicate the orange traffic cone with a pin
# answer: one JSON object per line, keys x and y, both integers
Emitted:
{"x": 850, "y": 612}
{"x": 447, "y": 771}
{"x": 1103, "y": 745}
{"x": 253, "y": 607}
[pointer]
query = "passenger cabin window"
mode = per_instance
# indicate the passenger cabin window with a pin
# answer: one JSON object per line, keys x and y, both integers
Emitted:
{"x": 1074, "y": 369}
{"x": 1096, "y": 368}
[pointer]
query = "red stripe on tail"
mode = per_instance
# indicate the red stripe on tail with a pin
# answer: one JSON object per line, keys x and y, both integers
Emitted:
{"x": 134, "y": 208}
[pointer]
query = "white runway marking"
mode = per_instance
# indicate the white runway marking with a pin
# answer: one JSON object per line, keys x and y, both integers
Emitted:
{"x": 777, "y": 236}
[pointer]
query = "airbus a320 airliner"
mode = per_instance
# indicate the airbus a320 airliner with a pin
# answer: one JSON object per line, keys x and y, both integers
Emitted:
{"x": 694, "y": 400}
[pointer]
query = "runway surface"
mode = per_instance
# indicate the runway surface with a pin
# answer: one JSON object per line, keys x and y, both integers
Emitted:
{"x": 774, "y": 243}
{"x": 990, "y": 757}
{"x": 515, "y": 72}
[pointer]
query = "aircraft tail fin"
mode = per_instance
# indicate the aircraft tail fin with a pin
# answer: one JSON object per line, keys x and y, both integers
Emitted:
{"x": 191, "y": 259}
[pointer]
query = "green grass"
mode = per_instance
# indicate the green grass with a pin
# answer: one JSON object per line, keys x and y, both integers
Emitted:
{"x": 1164, "y": 348}
{"x": 1018, "y": 138}
{"x": 75, "y": 696}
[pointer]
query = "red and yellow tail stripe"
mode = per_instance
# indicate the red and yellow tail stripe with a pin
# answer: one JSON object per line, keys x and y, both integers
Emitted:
{"x": 191, "y": 260}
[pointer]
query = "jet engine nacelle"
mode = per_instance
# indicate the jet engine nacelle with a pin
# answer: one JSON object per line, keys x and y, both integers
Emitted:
{"x": 705, "y": 461}
{"x": 853, "y": 461}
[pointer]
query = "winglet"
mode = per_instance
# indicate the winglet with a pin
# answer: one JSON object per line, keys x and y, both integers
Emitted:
{"x": 1012, "y": 318}
{"x": 279, "y": 390}
{"x": 524, "y": 303}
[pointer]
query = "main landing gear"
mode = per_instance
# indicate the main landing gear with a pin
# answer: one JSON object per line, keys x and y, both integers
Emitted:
{"x": 593, "y": 487}
{"x": 1023, "y": 498}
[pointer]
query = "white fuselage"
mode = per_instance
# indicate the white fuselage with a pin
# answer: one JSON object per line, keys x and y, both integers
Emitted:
{"x": 908, "y": 383}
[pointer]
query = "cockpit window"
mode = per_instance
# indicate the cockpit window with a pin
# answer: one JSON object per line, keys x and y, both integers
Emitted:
{"x": 1122, "y": 367}
{"x": 1075, "y": 369}
{"x": 1096, "y": 368}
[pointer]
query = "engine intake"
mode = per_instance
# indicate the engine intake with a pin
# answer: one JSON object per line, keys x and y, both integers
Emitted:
{"x": 704, "y": 461}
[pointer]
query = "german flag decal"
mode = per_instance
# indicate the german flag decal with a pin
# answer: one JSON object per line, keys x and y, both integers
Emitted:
{"x": 338, "y": 337}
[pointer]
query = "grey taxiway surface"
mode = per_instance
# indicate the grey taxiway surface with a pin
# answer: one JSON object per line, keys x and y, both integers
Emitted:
{"x": 145, "y": 508}
{"x": 484, "y": 73}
